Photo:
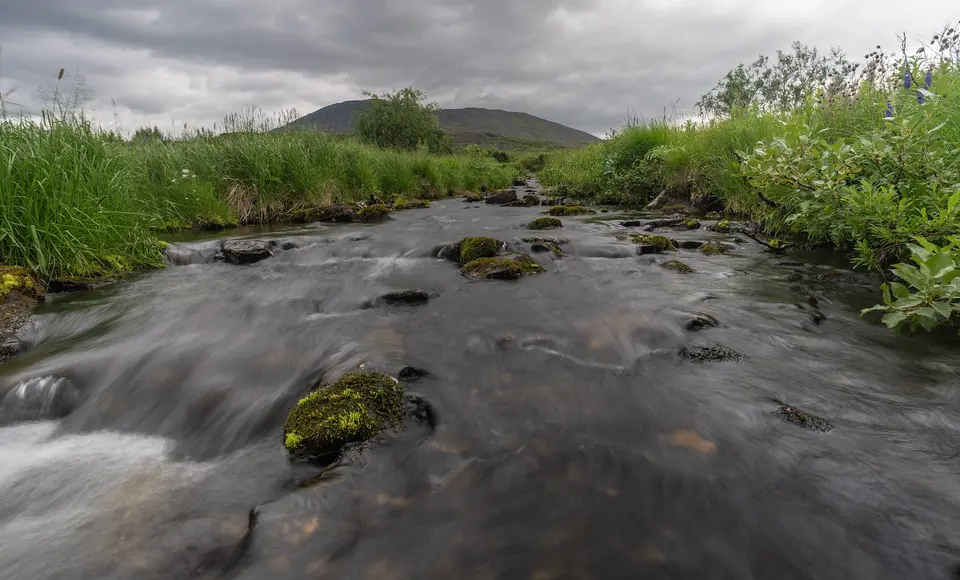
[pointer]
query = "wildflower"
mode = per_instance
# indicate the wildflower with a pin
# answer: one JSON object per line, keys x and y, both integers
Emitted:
{"x": 889, "y": 114}
{"x": 928, "y": 80}
{"x": 907, "y": 80}
{"x": 920, "y": 97}
{"x": 185, "y": 171}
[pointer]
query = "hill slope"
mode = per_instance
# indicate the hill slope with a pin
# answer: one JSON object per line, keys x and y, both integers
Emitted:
{"x": 466, "y": 126}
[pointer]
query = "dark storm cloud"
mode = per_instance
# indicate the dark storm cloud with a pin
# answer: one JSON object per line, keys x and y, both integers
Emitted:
{"x": 581, "y": 62}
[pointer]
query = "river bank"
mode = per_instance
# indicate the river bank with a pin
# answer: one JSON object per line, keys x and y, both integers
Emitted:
{"x": 611, "y": 416}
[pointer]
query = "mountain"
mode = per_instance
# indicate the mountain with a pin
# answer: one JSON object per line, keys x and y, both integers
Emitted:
{"x": 466, "y": 126}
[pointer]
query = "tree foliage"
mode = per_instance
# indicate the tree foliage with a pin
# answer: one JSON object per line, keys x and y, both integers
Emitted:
{"x": 401, "y": 120}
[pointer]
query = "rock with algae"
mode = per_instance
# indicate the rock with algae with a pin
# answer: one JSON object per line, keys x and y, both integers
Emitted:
{"x": 478, "y": 247}
{"x": 356, "y": 407}
{"x": 712, "y": 249}
{"x": 374, "y": 213}
{"x": 508, "y": 267}
{"x": 652, "y": 244}
{"x": 544, "y": 223}
{"x": 569, "y": 210}
{"x": 403, "y": 202}
{"x": 677, "y": 266}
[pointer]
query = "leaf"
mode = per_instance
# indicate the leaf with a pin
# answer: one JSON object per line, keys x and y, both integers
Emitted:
{"x": 926, "y": 312}
{"x": 908, "y": 302}
{"x": 922, "y": 240}
{"x": 899, "y": 290}
{"x": 910, "y": 275}
{"x": 886, "y": 294}
{"x": 952, "y": 202}
{"x": 943, "y": 309}
{"x": 940, "y": 265}
{"x": 894, "y": 319}
{"x": 877, "y": 308}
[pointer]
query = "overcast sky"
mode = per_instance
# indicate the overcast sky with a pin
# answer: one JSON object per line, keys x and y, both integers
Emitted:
{"x": 585, "y": 63}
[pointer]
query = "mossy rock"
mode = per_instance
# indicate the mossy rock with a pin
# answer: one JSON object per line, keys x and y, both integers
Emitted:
{"x": 215, "y": 223}
{"x": 403, "y": 202}
{"x": 544, "y": 223}
{"x": 17, "y": 279}
{"x": 569, "y": 210}
{"x": 356, "y": 407}
{"x": 473, "y": 197}
{"x": 711, "y": 249}
{"x": 509, "y": 267}
{"x": 713, "y": 215}
{"x": 722, "y": 226}
{"x": 478, "y": 247}
{"x": 675, "y": 208}
{"x": 692, "y": 224}
{"x": 374, "y": 213}
{"x": 652, "y": 243}
{"x": 677, "y": 266}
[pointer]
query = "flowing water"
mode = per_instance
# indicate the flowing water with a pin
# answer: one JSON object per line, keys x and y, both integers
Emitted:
{"x": 571, "y": 439}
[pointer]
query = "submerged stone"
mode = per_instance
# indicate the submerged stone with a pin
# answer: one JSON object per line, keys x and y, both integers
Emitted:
{"x": 404, "y": 297}
{"x": 569, "y": 210}
{"x": 478, "y": 247}
{"x": 356, "y": 407}
{"x": 712, "y": 353}
{"x": 701, "y": 321}
{"x": 677, "y": 266}
{"x": 409, "y": 374}
{"x": 509, "y": 267}
{"x": 544, "y": 223}
{"x": 42, "y": 398}
{"x": 374, "y": 213}
{"x": 245, "y": 251}
{"x": 797, "y": 417}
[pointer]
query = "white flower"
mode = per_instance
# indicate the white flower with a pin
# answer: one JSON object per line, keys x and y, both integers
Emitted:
{"x": 186, "y": 172}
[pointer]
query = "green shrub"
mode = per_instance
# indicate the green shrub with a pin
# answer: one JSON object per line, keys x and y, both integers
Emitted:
{"x": 401, "y": 120}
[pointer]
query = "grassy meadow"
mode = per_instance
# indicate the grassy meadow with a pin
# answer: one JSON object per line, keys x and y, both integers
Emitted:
{"x": 76, "y": 201}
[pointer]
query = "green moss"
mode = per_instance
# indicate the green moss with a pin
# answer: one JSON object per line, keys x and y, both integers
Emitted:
{"x": 214, "y": 223}
{"x": 15, "y": 278}
{"x": 478, "y": 247}
{"x": 713, "y": 216}
{"x": 568, "y": 210}
{"x": 675, "y": 208}
{"x": 677, "y": 266}
{"x": 691, "y": 224}
{"x": 544, "y": 223}
{"x": 510, "y": 266}
{"x": 374, "y": 213}
{"x": 657, "y": 242}
{"x": 474, "y": 197}
{"x": 711, "y": 249}
{"x": 403, "y": 202}
{"x": 723, "y": 226}
{"x": 776, "y": 244}
{"x": 357, "y": 407}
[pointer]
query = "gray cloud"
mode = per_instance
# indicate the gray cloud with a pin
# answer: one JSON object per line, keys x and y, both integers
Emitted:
{"x": 581, "y": 62}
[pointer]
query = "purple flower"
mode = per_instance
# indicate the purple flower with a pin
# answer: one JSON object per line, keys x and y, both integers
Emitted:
{"x": 907, "y": 80}
{"x": 889, "y": 114}
{"x": 928, "y": 80}
{"x": 920, "y": 97}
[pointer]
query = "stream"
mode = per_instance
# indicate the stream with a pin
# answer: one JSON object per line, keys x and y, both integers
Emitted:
{"x": 571, "y": 439}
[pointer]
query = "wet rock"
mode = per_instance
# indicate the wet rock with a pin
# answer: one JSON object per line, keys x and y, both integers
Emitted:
{"x": 409, "y": 374}
{"x": 501, "y": 197}
{"x": 677, "y": 266}
{"x": 712, "y": 249}
{"x": 404, "y": 298}
{"x": 43, "y": 398}
{"x": 688, "y": 244}
{"x": 245, "y": 251}
{"x": 77, "y": 284}
{"x": 519, "y": 182}
{"x": 713, "y": 215}
{"x": 701, "y": 321}
{"x": 632, "y": 223}
{"x": 336, "y": 213}
{"x": 652, "y": 244}
{"x": 551, "y": 201}
{"x": 692, "y": 224}
{"x": 508, "y": 267}
{"x": 569, "y": 210}
{"x": 473, "y": 197}
{"x": 525, "y": 201}
{"x": 722, "y": 226}
{"x": 374, "y": 213}
{"x": 797, "y": 417}
{"x": 544, "y": 223}
{"x": 20, "y": 293}
{"x": 711, "y": 353}
{"x": 403, "y": 202}
{"x": 543, "y": 245}
{"x": 356, "y": 407}
{"x": 417, "y": 407}
{"x": 448, "y": 252}
{"x": 664, "y": 223}
{"x": 478, "y": 247}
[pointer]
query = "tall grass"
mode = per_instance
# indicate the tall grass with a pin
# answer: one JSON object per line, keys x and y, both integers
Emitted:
{"x": 75, "y": 201}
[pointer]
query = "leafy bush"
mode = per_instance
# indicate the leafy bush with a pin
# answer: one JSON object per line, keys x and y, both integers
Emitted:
{"x": 935, "y": 280}
{"x": 401, "y": 120}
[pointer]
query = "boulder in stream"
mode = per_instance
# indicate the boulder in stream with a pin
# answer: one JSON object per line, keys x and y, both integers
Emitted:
{"x": 569, "y": 210}
{"x": 245, "y": 251}
{"x": 374, "y": 213}
{"x": 404, "y": 298}
{"x": 478, "y": 247}
{"x": 544, "y": 223}
{"x": 501, "y": 197}
{"x": 652, "y": 244}
{"x": 42, "y": 398}
{"x": 472, "y": 197}
{"x": 508, "y": 267}
{"x": 711, "y": 353}
{"x": 403, "y": 202}
{"x": 356, "y": 407}
{"x": 677, "y": 266}
{"x": 797, "y": 417}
